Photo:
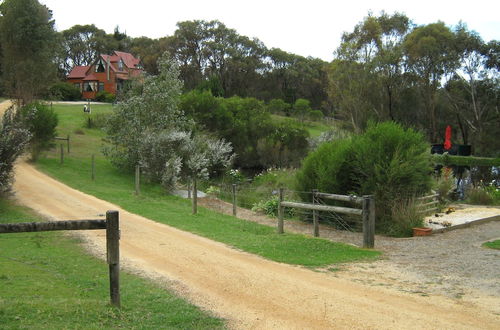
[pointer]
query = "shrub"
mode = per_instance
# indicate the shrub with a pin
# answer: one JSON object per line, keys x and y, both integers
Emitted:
{"x": 98, "y": 120}
{"x": 279, "y": 107}
{"x": 482, "y": 195}
{"x": 270, "y": 207}
{"x": 65, "y": 92}
{"x": 13, "y": 138}
{"x": 315, "y": 115}
{"x": 387, "y": 161}
{"x": 41, "y": 121}
{"x": 104, "y": 96}
{"x": 405, "y": 215}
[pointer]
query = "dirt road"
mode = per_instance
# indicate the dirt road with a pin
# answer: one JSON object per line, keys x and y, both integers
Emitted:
{"x": 245, "y": 289}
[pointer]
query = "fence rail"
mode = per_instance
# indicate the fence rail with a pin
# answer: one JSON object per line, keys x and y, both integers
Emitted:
{"x": 367, "y": 212}
{"x": 427, "y": 204}
{"x": 111, "y": 224}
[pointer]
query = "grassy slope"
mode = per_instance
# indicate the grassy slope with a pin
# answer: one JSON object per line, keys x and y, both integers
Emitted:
{"x": 47, "y": 282}
{"x": 153, "y": 203}
{"x": 314, "y": 128}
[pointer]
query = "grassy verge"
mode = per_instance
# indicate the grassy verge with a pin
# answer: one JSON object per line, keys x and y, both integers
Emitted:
{"x": 313, "y": 127}
{"x": 493, "y": 245}
{"x": 118, "y": 188}
{"x": 48, "y": 282}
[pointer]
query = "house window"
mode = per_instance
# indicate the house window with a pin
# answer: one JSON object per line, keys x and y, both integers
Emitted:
{"x": 120, "y": 65}
{"x": 89, "y": 86}
{"x": 77, "y": 85}
{"x": 101, "y": 86}
{"x": 99, "y": 67}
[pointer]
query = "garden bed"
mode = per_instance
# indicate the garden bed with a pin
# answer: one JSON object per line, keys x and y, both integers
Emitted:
{"x": 462, "y": 215}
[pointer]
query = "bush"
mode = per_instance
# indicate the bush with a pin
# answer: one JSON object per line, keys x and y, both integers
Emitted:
{"x": 483, "y": 195}
{"x": 279, "y": 107}
{"x": 315, "y": 115}
{"x": 387, "y": 161}
{"x": 13, "y": 138}
{"x": 41, "y": 121}
{"x": 98, "y": 120}
{"x": 405, "y": 215}
{"x": 104, "y": 96}
{"x": 65, "y": 92}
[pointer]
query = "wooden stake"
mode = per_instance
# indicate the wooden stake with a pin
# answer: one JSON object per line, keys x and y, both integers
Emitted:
{"x": 315, "y": 215}
{"x": 368, "y": 222}
{"x": 234, "y": 199}
{"x": 137, "y": 180}
{"x": 113, "y": 255}
{"x": 281, "y": 211}
{"x": 68, "y": 143}
{"x": 195, "y": 196}
{"x": 62, "y": 154}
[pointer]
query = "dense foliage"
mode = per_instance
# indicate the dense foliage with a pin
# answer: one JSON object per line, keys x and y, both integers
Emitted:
{"x": 387, "y": 161}
{"x": 149, "y": 129}
{"x": 65, "y": 92}
{"x": 257, "y": 140}
{"x": 427, "y": 76}
{"x": 29, "y": 45}
{"x": 13, "y": 138}
{"x": 41, "y": 121}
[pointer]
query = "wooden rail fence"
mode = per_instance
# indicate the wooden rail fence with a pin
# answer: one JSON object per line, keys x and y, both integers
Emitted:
{"x": 367, "y": 212}
{"x": 111, "y": 224}
{"x": 428, "y": 204}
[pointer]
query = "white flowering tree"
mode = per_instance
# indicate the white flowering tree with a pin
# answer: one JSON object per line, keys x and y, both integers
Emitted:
{"x": 149, "y": 129}
{"x": 13, "y": 138}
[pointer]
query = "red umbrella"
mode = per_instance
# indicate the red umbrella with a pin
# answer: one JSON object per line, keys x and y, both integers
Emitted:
{"x": 447, "y": 138}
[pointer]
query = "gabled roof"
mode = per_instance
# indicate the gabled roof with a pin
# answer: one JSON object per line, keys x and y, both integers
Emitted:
{"x": 128, "y": 59}
{"x": 79, "y": 71}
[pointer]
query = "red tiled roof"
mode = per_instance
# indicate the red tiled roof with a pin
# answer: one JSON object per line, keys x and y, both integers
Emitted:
{"x": 78, "y": 72}
{"x": 128, "y": 59}
{"x": 90, "y": 77}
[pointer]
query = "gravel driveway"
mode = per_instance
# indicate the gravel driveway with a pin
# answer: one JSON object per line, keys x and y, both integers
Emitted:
{"x": 452, "y": 264}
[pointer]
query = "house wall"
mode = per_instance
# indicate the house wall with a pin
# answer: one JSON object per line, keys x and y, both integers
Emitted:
{"x": 109, "y": 85}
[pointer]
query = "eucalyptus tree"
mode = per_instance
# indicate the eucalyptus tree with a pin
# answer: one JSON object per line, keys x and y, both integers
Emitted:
{"x": 432, "y": 57}
{"x": 150, "y": 130}
{"x": 82, "y": 44}
{"x": 367, "y": 76}
{"x": 29, "y": 48}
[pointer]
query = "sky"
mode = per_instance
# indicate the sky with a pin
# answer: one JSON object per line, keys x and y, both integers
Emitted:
{"x": 306, "y": 27}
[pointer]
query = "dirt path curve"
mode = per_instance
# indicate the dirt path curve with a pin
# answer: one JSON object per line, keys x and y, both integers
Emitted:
{"x": 247, "y": 290}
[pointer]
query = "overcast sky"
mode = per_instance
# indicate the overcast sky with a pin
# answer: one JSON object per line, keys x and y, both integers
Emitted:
{"x": 305, "y": 27}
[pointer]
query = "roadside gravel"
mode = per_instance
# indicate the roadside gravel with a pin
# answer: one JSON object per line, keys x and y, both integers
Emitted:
{"x": 452, "y": 264}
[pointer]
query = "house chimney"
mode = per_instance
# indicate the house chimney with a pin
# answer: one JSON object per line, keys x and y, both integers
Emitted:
{"x": 107, "y": 67}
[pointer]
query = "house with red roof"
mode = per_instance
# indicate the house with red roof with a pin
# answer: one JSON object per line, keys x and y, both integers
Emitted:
{"x": 108, "y": 73}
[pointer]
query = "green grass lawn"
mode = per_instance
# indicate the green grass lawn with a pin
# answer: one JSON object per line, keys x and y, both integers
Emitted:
{"x": 153, "y": 203}
{"x": 313, "y": 127}
{"x": 48, "y": 282}
{"x": 493, "y": 245}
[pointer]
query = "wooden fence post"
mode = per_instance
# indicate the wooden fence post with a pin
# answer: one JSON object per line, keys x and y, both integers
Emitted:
{"x": 234, "y": 199}
{"x": 62, "y": 154}
{"x": 281, "y": 211}
{"x": 195, "y": 196}
{"x": 137, "y": 179}
{"x": 368, "y": 221}
{"x": 68, "y": 143}
{"x": 315, "y": 215}
{"x": 93, "y": 167}
{"x": 113, "y": 255}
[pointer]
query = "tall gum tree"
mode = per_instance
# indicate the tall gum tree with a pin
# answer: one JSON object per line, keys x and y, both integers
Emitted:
{"x": 29, "y": 45}
{"x": 432, "y": 57}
